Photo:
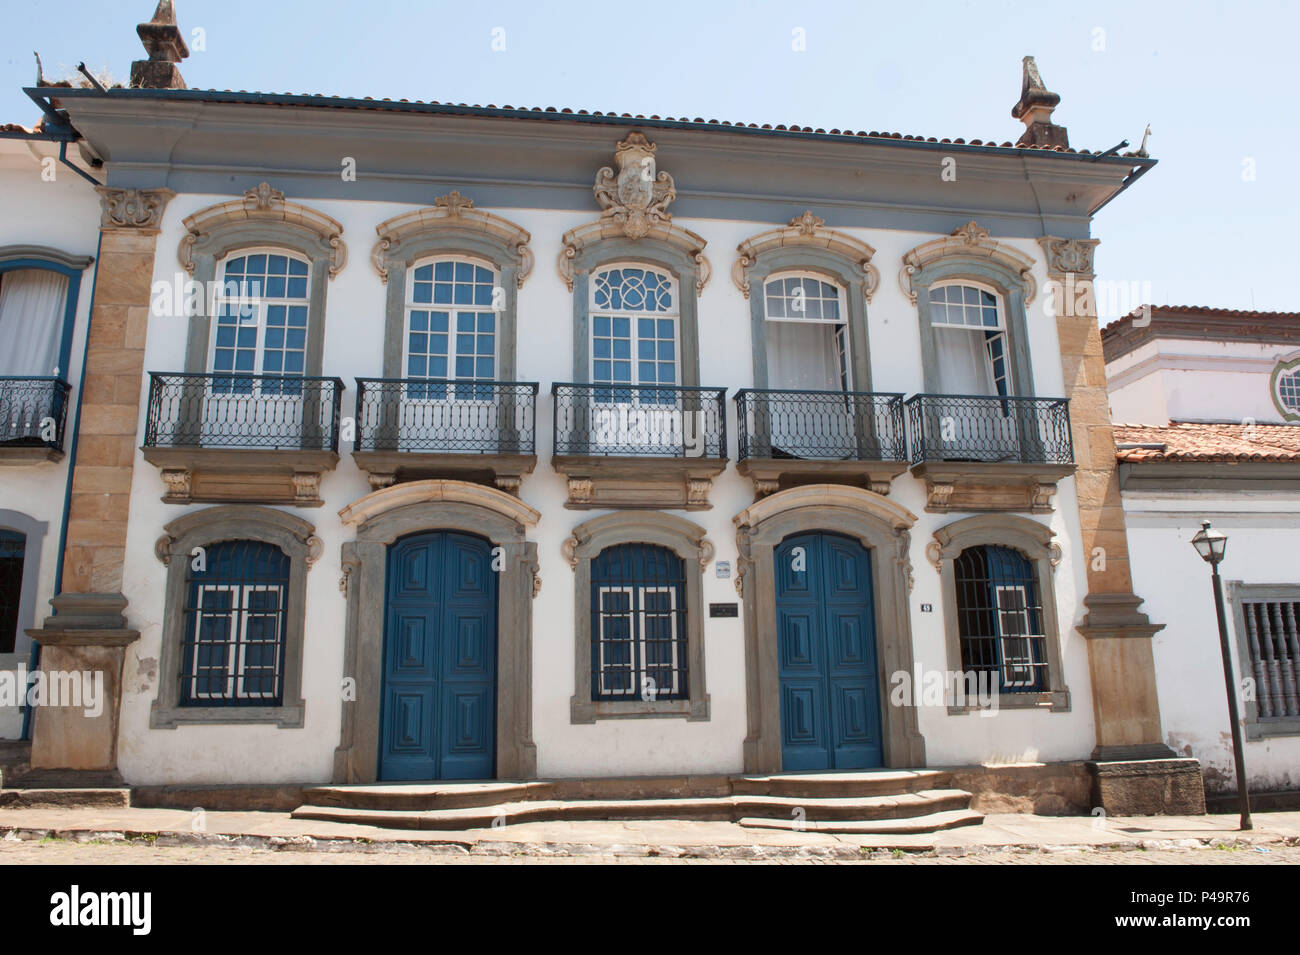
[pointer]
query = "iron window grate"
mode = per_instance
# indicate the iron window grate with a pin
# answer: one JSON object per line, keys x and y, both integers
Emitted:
{"x": 1274, "y": 640}
{"x": 638, "y": 624}
{"x": 1000, "y": 619}
{"x": 235, "y": 618}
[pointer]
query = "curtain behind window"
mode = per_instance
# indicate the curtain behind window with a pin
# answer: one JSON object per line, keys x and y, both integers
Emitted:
{"x": 31, "y": 322}
{"x": 963, "y": 362}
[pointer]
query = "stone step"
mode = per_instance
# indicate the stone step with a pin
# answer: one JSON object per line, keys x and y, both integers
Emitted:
{"x": 449, "y": 795}
{"x": 913, "y": 825}
{"x": 779, "y": 811}
{"x": 110, "y": 798}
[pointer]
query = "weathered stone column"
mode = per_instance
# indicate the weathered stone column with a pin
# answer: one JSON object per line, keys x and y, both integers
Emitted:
{"x": 1134, "y": 771}
{"x": 83, "y": 643}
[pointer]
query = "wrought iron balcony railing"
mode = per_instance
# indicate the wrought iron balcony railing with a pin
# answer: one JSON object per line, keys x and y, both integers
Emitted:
{"x": 635, "y": 420}
{"x": 820, "y": 425}
{"x": 33, "y": 412}
{"x": 446, "y": 416}
{"x": 232, "y": 411}
{"x": 989, "y": 428}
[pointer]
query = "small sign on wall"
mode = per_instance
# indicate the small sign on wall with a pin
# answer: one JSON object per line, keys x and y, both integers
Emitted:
{"x": 724, "y": 610}
{"x": 723, "y": 569}
{"x": 927, "y": 608}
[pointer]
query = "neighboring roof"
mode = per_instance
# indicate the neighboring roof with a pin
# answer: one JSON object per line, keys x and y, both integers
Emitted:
{"x": 1183, "y": 441}
{"x": 578, "y": 115}
{"x": 1198, "y": 323}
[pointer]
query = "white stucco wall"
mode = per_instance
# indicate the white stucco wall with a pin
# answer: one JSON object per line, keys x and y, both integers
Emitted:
{"x": 62, "y": 214}
{"x": 1262, "y": 530}
{"x": 1180, "y": 380}
{"x": 353, "y": 347}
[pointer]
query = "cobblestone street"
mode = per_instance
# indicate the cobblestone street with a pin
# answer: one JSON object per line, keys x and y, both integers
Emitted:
{"x": 141, "y": 852}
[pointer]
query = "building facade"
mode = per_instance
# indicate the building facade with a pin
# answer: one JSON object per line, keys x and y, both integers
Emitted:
{"x": 1210, "y": 399}
{"x": 478, "y": 442}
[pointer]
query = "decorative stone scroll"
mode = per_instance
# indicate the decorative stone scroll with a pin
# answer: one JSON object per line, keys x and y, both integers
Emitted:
{"x": 132, "y": 208}
{"x": 450, "y": 213}
{"x": 807, "y": 231}
{"x": 263, "y": 204}
{"x": 969, "y": 240}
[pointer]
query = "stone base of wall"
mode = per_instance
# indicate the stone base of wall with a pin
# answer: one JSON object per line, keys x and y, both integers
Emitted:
{"x": 1152, "y": 787}
{"x": 1045, "y": 789}
{"x": 271, "y": 798}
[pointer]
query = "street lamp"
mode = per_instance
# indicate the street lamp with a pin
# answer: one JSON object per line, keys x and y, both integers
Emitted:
{"x": 1211, "y": 545}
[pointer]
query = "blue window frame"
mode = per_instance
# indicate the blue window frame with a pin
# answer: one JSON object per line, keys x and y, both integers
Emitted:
{"x": 261, "y": 326}
{"x": 1000, "y": 618}
{"x": 638, "y": 624}
{"x": 67, "y": 314}
{"x": 451, "y": 329}
{"x": 235, "y": 618}
{"x": 13, "y": 548}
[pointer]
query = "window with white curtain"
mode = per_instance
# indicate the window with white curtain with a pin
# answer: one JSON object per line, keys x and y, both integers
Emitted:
{"x": 32, "y": 303}
{"x": 970, "y": 340}
{"x": 807, "y": 334}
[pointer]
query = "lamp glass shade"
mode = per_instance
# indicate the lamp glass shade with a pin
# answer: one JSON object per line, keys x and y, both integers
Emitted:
{"x": 1210, "y": 544}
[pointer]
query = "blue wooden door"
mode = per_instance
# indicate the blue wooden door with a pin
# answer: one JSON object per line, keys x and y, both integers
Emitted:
{"x": 438, "y": 717}
{"x": 826, "y": 645}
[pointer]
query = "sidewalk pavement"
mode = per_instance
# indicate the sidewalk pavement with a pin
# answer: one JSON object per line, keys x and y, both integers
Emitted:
{"x": 999, "y": 833}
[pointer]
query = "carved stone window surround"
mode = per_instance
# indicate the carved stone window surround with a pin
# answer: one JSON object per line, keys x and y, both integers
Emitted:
{"x": 203, "y": 528}
{"x": 1037, "y": 542}
{"x": 688, "y": 541}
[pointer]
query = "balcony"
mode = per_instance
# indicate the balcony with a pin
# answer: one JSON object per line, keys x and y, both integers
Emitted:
{"x": 33, "y": 412}
{"x": 989, "y": 453}
{"x": 789, "y": 438}
{"x": 639, "y": 446}
{"x": 237, "y": 437}
{"x": 482, "y": 431}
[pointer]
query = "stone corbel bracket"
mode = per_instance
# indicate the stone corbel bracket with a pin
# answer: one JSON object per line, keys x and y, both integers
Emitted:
{"x": 809, "y": 231}
{"x": 969, "y": 240}
{"x": 451, "y": 212}
{"x": 136, "y": 209}
{"x": 1068, "y": 255}
{"x": 577, "y": 239}
{"x": 263, "y": 204}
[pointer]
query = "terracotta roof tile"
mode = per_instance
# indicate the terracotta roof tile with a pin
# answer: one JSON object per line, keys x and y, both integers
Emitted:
{"x": 344, "y": 103}
{"x": 1245, "y": 315}
{"x": 1182, "y": 441}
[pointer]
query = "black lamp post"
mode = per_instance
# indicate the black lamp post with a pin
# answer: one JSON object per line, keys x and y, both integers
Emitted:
{"x": 1211, "y": 545}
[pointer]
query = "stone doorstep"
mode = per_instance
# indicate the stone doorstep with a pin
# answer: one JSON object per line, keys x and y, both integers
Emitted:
{"x": 911, "y": 812}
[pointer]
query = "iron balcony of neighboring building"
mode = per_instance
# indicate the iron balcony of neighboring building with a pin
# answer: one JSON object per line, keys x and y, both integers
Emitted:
{"x": 639, "y": 446}
{"x": 473, "y": 430}
{"x": 790, "y": 437}
{"x": 989, "y": 452}
{"x": 238, "y": 437}
{"x": 33, "y": 413}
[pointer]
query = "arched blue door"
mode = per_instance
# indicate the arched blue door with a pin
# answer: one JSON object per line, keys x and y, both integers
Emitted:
{"x": 826, "y": 645}
{"x": 438, "y": 718}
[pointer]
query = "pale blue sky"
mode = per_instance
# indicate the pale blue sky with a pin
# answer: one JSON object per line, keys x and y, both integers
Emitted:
{"x": 1217, "y": 82}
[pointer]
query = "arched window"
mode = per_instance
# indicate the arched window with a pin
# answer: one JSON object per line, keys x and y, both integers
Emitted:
{"x": 634, "y": 327}
{"x": 451, "y": 326}
{"x": 13, "y": 548}
{"x": 807, "y": 334}
{"x": 638, "y": 624}
{"x": 261, "y": 326}
{"x": 236, "y": 616}
{"x": 970, "y": 334}
{"x": 1000, "y": 618}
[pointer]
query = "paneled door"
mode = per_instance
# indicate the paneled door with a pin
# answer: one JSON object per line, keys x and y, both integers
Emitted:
{"x": 826, "y": 645}
{"x": 438, "y": 718}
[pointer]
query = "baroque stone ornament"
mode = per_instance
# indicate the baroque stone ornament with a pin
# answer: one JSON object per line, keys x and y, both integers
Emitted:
{"x": 637, "y": 196}
{"x": 453, "y": 214}
{"x": 1068, "y": 255}
{"x": 132, "y": 208}
{"x": 807, "y": 230}
{"x": 262, "y": 205}
{"x": 972, "y": 240}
